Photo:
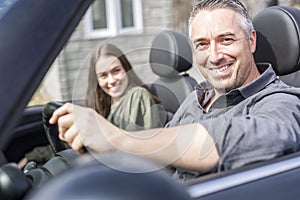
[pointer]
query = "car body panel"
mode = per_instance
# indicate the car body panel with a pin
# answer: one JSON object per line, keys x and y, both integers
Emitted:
{"x": 274, "y": 179}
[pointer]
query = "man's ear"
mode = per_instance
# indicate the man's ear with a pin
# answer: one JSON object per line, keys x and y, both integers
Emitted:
{"x": 252, "y": 41}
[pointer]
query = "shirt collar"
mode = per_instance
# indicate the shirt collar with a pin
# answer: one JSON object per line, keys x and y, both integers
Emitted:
{"x": 267, "y": 76}
{"x": 204, "y": 92}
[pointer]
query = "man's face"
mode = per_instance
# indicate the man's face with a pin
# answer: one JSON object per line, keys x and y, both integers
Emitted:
{"x": 222, "y": 50}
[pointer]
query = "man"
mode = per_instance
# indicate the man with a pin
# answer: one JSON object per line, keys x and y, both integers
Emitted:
{"x": 242, "y": 114}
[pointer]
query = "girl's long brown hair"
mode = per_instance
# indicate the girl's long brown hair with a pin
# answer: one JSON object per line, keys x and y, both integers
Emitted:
{"x": 96, "y": 98}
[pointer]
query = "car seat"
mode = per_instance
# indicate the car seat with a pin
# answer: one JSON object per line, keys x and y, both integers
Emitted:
{"x": 170, "y": 59}
{"x": 278, "y": 41}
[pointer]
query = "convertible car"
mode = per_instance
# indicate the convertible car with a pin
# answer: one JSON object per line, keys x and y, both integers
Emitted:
{"x": 28, "y": 48}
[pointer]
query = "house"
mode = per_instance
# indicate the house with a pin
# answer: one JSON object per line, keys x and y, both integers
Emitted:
{"x": 130, "y": 24}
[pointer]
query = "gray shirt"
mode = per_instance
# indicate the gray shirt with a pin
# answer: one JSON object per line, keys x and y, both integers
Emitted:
{"x": 257, "y": 122}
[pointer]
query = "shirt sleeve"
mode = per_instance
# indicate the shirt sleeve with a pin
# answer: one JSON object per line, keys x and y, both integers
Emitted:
{"x": 188, "y": 111}
{"x": 270, "y": 129}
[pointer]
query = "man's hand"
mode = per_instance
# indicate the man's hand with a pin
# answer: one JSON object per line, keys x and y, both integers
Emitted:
{"x": 82, "y": 127}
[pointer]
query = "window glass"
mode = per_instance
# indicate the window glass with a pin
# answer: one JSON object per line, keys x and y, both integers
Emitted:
{"x": 99, "y": 14}
{"x": 4, "y": 5}
{"x": 127, "y": 13}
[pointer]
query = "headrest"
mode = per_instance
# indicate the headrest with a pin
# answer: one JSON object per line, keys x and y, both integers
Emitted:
{"x": 171, "y": 53}
{"x": 278, "y": 38}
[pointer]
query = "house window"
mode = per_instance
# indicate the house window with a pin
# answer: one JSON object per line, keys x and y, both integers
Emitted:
{"x": 107, "y": 18}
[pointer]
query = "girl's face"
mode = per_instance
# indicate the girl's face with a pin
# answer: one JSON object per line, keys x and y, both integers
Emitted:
{"x": 112, "y": 77}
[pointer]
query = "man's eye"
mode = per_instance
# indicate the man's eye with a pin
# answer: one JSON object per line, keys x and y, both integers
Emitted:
{"x": 201, "y": 46}
{"x": 227, "y": 41}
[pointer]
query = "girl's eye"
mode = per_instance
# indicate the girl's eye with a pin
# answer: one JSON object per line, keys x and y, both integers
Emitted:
{"x": 101, "y": 76}
{"x": 116, "y": 70}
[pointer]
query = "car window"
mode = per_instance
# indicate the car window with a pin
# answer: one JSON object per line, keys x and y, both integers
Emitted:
{"x": 49, "y": 89}
{"x": 4, "y": 6}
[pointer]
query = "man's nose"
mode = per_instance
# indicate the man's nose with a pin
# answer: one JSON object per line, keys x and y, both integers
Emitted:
{"x": 215, "y": 54}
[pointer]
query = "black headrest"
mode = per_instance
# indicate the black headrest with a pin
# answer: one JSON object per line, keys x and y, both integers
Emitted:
{"x": 278, "y": 38}
{"x": 171, "y": 53}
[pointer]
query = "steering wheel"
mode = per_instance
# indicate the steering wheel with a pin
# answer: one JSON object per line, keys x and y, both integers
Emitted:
{"x": 52, "y": 130}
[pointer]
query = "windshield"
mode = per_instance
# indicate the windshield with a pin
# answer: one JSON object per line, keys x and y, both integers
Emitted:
{"x": 4, "y": 5}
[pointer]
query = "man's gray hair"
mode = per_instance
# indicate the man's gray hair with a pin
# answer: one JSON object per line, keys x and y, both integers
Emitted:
{"x": 235, "y": 5}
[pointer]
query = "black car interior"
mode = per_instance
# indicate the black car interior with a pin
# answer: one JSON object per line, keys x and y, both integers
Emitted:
{"x": 277, "y": 43}
{"x": 278, "y": 36}
{"x": 29, "y": 126}
{"x": 170, "y": 59}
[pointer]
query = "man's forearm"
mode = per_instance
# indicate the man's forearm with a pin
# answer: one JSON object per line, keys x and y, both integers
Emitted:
{"x": 188, "y": 146}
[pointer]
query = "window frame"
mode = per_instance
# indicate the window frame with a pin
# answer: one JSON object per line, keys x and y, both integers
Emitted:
{"x": 113, "y": 10}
